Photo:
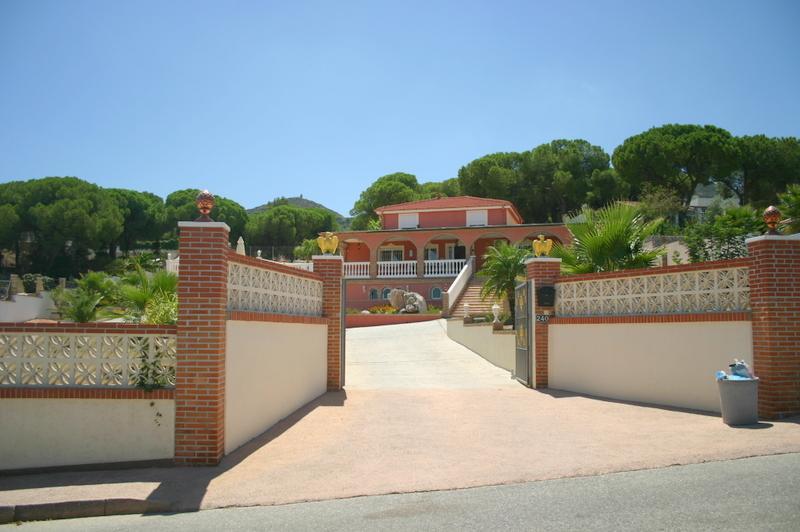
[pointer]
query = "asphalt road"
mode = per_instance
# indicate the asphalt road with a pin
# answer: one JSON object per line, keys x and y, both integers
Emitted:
{"x": 760, "y": 493}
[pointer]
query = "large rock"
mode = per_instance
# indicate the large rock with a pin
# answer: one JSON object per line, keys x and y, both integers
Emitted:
{"x": 397, "y": 298}
{"x": 407, "y": 302}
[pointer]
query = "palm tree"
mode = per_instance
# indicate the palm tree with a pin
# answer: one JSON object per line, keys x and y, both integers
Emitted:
{"x": 140, "y": 290}
{"x": 503, "y": 268}
{"x": 608, "y": 239}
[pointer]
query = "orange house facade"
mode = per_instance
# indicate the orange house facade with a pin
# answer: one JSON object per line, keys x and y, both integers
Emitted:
{"x": 423, "y": 246}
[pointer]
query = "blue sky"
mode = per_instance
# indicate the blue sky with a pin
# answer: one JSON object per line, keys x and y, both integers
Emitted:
{"x": 254, "y": 100}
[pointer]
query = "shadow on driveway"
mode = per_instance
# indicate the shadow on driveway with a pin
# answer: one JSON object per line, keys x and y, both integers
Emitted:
{"x": 181, "y": 488}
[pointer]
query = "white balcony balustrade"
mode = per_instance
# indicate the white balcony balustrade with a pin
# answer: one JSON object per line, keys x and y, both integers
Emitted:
{"x": 397, "y": 268}
{"x": 405, "y": 269}
{"x": 444, "y": 267}
{"x": 356, "y": 270}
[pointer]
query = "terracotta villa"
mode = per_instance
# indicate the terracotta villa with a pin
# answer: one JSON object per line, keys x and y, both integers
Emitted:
{"x": 424, "y": 246}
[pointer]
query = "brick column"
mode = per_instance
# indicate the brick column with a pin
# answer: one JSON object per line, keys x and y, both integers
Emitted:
{"x": 421, "y": 264}
{"x": 373, "y": 263}
{"x": 329, "y": 267}
{"x": 775, "y": 304}
{"x": 200, "y": 378}
{"x": 542, "y": 271}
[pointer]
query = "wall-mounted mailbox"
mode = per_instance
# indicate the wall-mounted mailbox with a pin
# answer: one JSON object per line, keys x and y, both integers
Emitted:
{"x": 545, "y": 296}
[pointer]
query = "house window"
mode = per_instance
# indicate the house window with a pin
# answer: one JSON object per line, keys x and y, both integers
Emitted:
{"x": 385, "y": 294}
{"x": 432, "y": 253}
{"x": 373, "y": 294}
{"x": 477, "y": 217}
{"x": 408, "y": 220}
{"x": 436, "y": 293}
{"x": 391, "y": 254}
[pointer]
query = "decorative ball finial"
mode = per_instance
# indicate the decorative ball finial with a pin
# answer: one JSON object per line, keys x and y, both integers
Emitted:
{"x": 771, "y": 217}
{"x": 205, "y": 204}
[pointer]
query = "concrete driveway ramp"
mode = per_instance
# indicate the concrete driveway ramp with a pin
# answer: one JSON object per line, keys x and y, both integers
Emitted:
{"x": 416, "y": 356}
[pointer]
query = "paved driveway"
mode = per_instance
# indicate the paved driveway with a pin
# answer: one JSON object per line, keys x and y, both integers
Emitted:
{"x": 416, "y": 356}
{"x": 421, "y": 413}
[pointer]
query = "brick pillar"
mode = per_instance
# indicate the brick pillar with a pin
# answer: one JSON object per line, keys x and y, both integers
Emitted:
{"x": 200, "y": 378}
{"x": 329, "y": 267}
{"x": 542, "y": 271}
{"x": 775, "y": 304}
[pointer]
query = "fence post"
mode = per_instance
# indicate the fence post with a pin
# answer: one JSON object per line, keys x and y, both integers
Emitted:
{"x": 329, "y": 267}
{"x": 200, "y": 372}
{"x": 775, "y": 304}
{"x": 542, "y": 271}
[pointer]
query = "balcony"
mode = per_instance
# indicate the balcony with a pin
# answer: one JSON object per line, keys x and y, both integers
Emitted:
{"x": 356, "y": 270}
{"x": 397, "y": 269}
{"x": 444, "y": 267}
{"x": 404, "y": 269}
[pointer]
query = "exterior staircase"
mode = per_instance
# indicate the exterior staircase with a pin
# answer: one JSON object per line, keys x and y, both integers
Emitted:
{"x": 472, "y": 295}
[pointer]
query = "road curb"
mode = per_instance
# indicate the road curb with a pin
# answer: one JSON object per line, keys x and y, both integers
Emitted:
{"x": 74, "y": 509}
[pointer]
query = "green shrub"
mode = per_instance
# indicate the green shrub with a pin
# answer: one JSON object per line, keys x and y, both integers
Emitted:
{"x": 162, "y": 309}
{"x": 723, "y": 237}
{"x": 790, "y": 208}
{"x": 77, "y": 305}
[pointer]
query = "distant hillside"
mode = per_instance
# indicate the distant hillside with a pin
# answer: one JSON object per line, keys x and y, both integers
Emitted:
{"x": 300, "y": 201}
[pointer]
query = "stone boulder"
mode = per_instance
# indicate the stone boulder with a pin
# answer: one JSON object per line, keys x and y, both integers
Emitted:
{"x": 407, "y": 302}
{"x": 397, "y": 298}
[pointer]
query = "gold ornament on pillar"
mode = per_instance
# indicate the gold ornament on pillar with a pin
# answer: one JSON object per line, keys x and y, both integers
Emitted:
{"x": 205, "y": 204}
{"x": 328, "y": 242}
{"x": 772, "y": 216}
{"x": 542, "y": 247}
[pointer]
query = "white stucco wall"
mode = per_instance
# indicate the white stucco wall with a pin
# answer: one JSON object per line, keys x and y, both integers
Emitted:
{"x": 496, "y": 348}
{"x": 271, "y": 370}
{"x": 662, "y": 363}
{"x": 26, "y": 307}
{"x": 57, "y": 432}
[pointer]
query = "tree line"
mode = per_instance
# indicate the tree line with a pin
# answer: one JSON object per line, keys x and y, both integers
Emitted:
{"x": 62, "y": 226}
{"x": 660, "y": 167}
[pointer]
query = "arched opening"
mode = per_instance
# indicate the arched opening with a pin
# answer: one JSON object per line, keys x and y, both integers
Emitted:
{"x": 356, "y": 255}
{"x": 445, "y": 255}
{"x": 483, "y": 243}
{"x": 397, "y": 257}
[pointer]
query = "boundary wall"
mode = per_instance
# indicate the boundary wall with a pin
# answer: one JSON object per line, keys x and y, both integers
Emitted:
{"x": 495, "y": 346}
{"x": 255, "y": 340}
{"x": 68, "y": 395}
{"x": 658, "y": 335}
{"x": 371, "y": 320}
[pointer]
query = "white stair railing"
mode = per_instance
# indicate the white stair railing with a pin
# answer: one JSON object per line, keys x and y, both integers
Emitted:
{"x": 459, "y": 284}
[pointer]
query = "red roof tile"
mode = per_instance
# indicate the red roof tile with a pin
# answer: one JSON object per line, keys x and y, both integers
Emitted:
{"x": 446, "y": 203}
{"x": 456, "y": 202}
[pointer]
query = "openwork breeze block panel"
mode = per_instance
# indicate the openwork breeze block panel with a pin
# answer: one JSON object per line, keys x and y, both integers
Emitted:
{"x": 91, "y": 360}
{"x": 261, "y": 290}
{"x": 716, "y": 290}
